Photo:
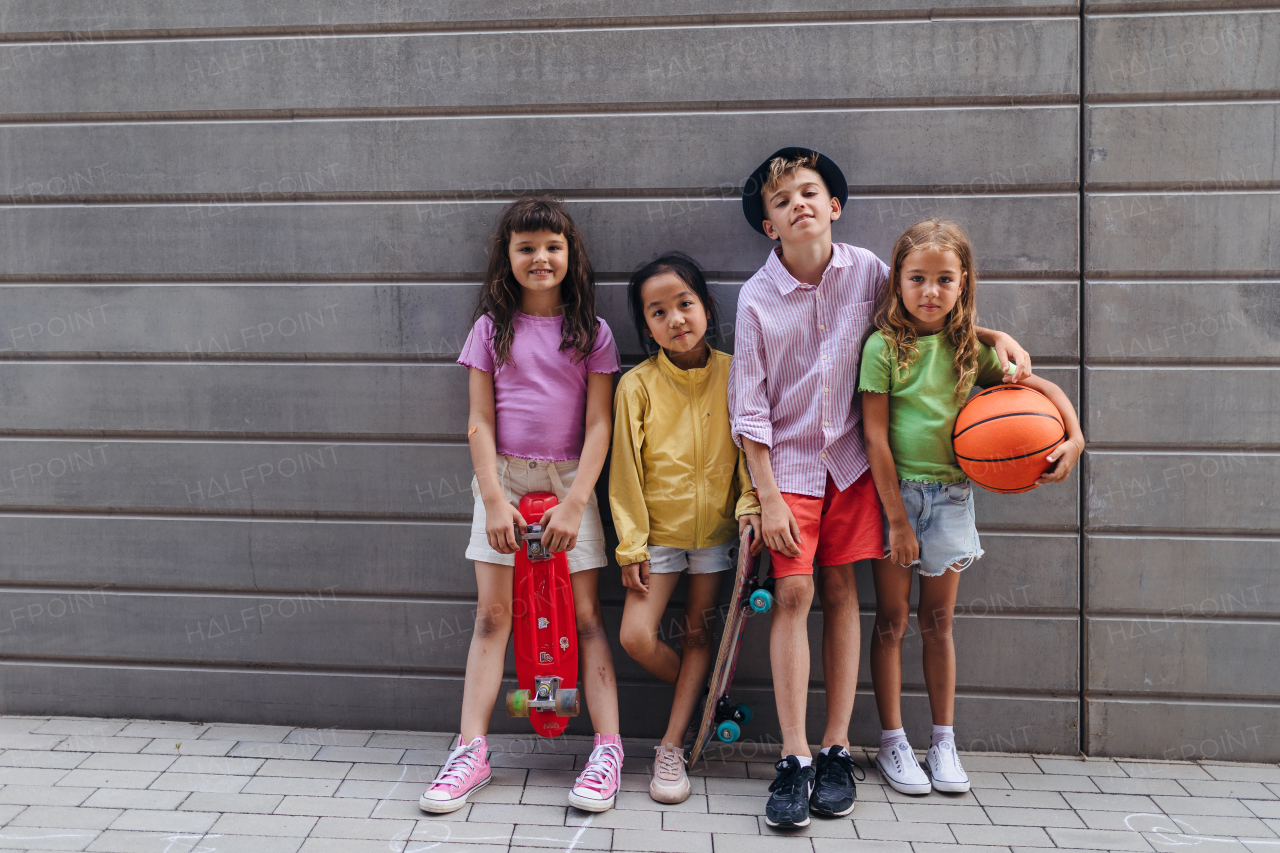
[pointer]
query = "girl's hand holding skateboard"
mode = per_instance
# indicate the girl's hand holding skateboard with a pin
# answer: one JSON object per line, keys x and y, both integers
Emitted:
{"x": 503, "y": 525}
{"x": 757, "y": 541}
{"x": 636, "y": 576}
{"x": 560, "y": 526}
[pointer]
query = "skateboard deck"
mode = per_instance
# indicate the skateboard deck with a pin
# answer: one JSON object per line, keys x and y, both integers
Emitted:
{"x": 719, "y": 717}
{"x": 544, "y": 626}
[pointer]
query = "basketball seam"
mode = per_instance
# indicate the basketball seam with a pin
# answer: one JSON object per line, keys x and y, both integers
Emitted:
{"x": 956, "y": 435}
{"x": 1011, "y": 458}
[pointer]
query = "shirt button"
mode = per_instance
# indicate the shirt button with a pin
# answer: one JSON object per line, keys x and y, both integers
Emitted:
{"x": 823, "y": 327}
{"x": 826, "y": 423}
{"x": 825, "y": 390}
{"x": 533, "y": 464}
{"x": 824, "y": 356}
{"x": 823, "y": 454}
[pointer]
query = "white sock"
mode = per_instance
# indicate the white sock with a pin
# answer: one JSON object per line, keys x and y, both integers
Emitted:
{"x": 805, "y": 760}
{"x": 941, "y": 733}
{"x": 839, "y": 749}
{"x": 889, "y": 738}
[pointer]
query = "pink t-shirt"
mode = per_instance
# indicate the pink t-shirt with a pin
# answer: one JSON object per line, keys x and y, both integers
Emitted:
{"x": 540, "y": 396}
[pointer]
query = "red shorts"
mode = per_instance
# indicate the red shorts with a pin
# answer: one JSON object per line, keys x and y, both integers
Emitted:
{"x": 838, "y": 528}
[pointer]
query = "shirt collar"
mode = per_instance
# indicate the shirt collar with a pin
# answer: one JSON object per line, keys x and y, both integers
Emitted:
{"x": 786, "y": 282}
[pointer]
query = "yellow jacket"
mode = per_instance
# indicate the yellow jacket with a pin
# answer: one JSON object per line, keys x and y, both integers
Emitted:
{"x": 676, "y": 478}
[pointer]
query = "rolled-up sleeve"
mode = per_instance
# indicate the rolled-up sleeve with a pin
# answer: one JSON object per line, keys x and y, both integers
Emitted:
{"x": 748, "y": 393}
{"x": 748, "y": 502}
{"x": 626, "y": 476}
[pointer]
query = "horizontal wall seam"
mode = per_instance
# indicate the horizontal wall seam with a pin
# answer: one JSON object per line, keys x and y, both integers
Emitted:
{"x": 1225, "y": 96}
{"x": 1179, "y": 276}
{"x": 416, "y": 277}
{"x": 1187, "y": 187}
{"x": 406, "y": 359}
{"x": 581, "y": 109}
{"x": 1132, "y": 696}
{"x": 1171, "y": 616}
{"x": 1149, "y": 532}
{"x": 1101, "y": 363}
{"x": 1156, "y": 8}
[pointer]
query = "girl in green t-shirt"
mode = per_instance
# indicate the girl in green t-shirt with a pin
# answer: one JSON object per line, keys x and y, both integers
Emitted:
{"x": 917, "y": 371}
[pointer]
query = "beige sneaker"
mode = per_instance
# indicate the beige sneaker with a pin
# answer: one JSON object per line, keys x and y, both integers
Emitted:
{"x": 670, "y": 782}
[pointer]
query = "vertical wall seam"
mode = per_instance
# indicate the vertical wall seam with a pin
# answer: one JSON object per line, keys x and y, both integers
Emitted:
{"x": 1082, "y": 550}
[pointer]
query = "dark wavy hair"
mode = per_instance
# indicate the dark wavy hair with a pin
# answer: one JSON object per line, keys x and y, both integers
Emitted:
{"x": 690, "y": 273}
{"x": 500, "y": 295}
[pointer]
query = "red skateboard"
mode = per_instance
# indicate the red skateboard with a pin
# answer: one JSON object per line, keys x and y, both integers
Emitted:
{"x": 545, "y": 627}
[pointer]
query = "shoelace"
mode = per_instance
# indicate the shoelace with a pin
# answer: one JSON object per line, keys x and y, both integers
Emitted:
{"x": 669, "y": 764}
{"x": 839, "y": 770}
{"x": 604, "y": 763}
{"x": 788, "y": 773}
{"x": 462, "y": 761}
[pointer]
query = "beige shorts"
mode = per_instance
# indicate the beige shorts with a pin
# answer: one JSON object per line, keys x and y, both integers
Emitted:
{"x": 519, "y": 477}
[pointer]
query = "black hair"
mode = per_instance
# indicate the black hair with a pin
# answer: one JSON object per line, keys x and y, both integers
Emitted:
{"x": 687, "y": 269}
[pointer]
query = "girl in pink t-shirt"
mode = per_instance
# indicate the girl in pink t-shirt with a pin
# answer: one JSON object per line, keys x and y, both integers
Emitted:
{"x": 541, "y": 386}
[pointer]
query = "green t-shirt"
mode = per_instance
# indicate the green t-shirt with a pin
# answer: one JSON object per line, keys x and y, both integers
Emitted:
{"x": 923, "y": 409}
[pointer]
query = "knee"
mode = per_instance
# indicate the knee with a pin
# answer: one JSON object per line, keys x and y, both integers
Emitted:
{"x": 590, "y": 623}
{"x": 492, "y": 622}
{"x": 891, "y": 625}
{"x": 637, "y": 640}
{"x": 935, "y": 625}
{"x": 696, "y": 637}
{"x": 793, "y": 595}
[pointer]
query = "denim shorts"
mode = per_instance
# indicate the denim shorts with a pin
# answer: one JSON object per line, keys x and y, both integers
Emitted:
{"x": 942, "y": 518}
{"x": 696, "y": 561}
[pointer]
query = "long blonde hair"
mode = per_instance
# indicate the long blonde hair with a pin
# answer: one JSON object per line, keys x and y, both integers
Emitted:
{"x": 960, "y": 327}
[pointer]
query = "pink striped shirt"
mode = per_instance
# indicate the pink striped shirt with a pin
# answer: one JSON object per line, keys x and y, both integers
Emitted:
{"x": 794, "y": 377}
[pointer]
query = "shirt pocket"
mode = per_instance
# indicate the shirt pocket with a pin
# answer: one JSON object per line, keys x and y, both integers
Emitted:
{"x": 855, "y": 326}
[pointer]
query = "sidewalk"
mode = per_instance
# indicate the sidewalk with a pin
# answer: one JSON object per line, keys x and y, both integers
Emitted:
{"x": 163, "y": 787}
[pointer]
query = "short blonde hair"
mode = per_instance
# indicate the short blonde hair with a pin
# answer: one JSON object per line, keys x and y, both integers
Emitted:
{"x": 780, "y": 167}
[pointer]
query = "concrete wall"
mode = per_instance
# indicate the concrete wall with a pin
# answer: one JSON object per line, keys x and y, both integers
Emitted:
{"x": 240, "y": 247}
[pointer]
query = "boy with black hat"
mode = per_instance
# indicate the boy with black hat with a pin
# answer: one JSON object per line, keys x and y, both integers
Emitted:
{"x": 801, "y": 322}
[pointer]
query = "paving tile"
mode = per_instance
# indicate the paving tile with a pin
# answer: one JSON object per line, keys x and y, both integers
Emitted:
{"x": 346, "y": 827}
{"x": 191, "y": 746}
{"x": 49, "y": 760}
{"x": 31, "y": 775}
{"x": 884, "y": 830}
{"x": 199, "y": 782}
{"x": 80, "y": 778}
{"x": 20, "y": 725}
{"x": 690, "y": 822}
{"x": 67, "y": 817}
{"x": 252, "y": 844}
{"x": 41, "y": 795}
{"x": 1176, "y": 843}
{"x": 411, "y": 740}
{"x": 548, "y": 778}
{"x": 939, "y": 813}
{"x": 873, "y": 811}
{"x": 357, "y": 845}
{"x": 735, "y": 803}
{"x": 774, "y": 842}
{"x": 819, "y": 827}
{"x": 148, "y": 820}
{"x": 327, "y": 806}
{"x": 263, "y": 824}
{"x": 44, "y": 838}
{"x": 1034, "y": 817}
{"x": 1238, "y": 790}
{"x": 518, "y": 814}
{"x": 25, "y": 741}
{"x": 10, "y": 811}
{"x": 546, "y": 762}
{"x": 1022, "y": 799}
{"x": 242, "y": 802}
{"x": 1110, "y": 802}
{"x": 1215, "y": 806}
{"x": 563, "y": 837}
{"x": 732, "y": 770}
{"x": 406, "y": 773}
{"x": 291, "y": 786}
{"x": 434, "y": 832}
{"x": 1159, "y": 770}
{"x": 380, "y": 790}
{"x": 980, "y": 779}
{"x": 1050, "y": 782}
{"x": 744, "y": 787}
{"x": 1098, "y": 839}
{"x": 531, "y": 796}
{"x": 129, "y": 841}
{"x": 643, "y": 802}
{"x": 1079, "y": 767}
{"x": 1113, "y": 785}
{"x": 1264, "y": 808}
{"x": 216, "y": 765}
{"x": 926, "y": 847}
{"x": 670, "y": 842}
{"x": 1116, "y": 820}
{"x": 1243, "y": 772}
{"x": 1216, "y": 825}
{"x": 294, "y": 751}
{"x": 101, "y": 728}
{"x": 134, "y": 799}
{"x": 363, "y": 754}
{"x": 330, "y": 737}
{"x": 93, "y": 743}
{"x": 262, "y": 734}
{"x": 124, "y": 761}
{"x": 408, "y": 810}
{"x": 304, "y": 769}
{"x": 1004, "y": 836}
{"x": 998, "y": 763}
{"x": 163, "y": 729}
{"x": 855, "y": 845}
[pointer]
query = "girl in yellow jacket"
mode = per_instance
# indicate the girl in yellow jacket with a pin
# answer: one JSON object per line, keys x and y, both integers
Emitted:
{"x": 679, "y": 489}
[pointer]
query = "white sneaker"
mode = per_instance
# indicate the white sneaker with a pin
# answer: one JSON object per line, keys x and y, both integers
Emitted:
{"x": 900, "y": 769}
{"x": 944, "y": 767}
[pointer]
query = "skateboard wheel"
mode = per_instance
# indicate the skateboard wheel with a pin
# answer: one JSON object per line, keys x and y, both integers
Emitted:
{"x": 761, "y": 601}
{"x": 567, "y": 704}
{"x": 728, "y": 731}
{"x": 517, "y": 703}
{"x": 744, "y": 713}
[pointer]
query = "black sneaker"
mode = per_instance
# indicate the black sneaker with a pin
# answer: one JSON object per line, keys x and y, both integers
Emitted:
{"x": 834, "y": 790}
{"x": 789, "y": 803}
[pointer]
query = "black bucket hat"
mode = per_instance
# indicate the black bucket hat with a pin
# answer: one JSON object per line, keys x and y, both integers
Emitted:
{"x": 753, "y": 205}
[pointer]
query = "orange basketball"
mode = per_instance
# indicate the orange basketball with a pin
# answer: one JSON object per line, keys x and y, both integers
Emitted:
{"x": 1002, "y": 436}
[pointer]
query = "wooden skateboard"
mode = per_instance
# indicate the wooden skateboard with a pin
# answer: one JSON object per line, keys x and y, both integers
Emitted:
{"x": 545, "y": 628}
{"x": 751, "y": 594}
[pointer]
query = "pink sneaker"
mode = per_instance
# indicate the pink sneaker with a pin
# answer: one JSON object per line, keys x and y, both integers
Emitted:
{"x": 465, "y": 772}
{"x": 597, "y": 785}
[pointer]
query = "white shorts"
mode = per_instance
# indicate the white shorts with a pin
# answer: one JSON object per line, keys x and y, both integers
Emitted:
{"x": 697, "y": 561}
{"x": 519, "y": 477}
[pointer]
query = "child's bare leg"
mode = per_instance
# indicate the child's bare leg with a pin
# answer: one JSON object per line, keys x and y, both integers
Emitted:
{"x": 789, "y": 658}
{"x": 488, "y": 653}
{"x": 641, "y": 628}
{"x": 936, "y": 613}
{"x": 893, "y": 608}
{"x": 695, "y": 664}
{"x": 595, "y": 660}
{"x": 841, "y": 648}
